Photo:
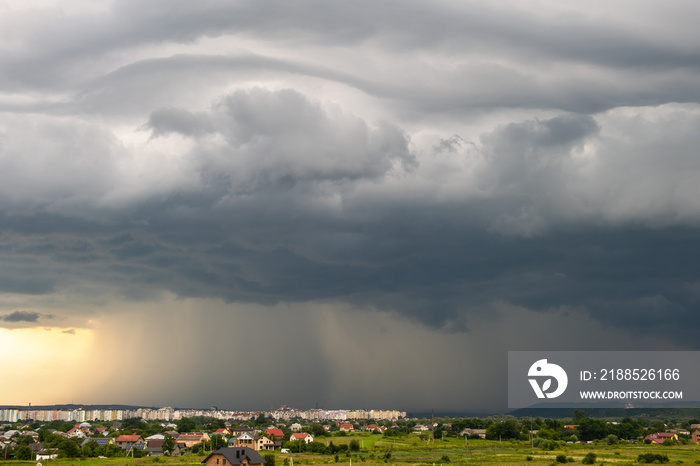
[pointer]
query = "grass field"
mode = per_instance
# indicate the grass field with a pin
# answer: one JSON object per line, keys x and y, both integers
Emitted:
{"x": 412, "y": 451}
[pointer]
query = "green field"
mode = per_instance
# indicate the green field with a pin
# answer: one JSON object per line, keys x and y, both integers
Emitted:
{"x": 412, "y": 451}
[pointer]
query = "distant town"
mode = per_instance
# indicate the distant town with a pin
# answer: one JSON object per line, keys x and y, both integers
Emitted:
{"x": 283, "y": 413}
{"x": 216, "y": 437}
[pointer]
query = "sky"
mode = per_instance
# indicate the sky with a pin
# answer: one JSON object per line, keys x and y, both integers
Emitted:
{"x": 359, "y": 204}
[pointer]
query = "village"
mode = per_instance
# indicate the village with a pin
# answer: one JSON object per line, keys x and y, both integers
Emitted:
{"x": 264, "y": 438}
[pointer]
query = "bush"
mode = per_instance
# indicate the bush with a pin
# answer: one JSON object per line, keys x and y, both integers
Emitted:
{"x": 548, "y": 445}
{"x": 652, "y": 458}
{"x": 445, "y": 459}
{"x": 589, "y": 458}
{"x": 528, "y": 458}
{"x": 561, "y": 459}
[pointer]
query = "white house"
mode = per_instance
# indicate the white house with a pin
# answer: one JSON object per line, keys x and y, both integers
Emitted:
{"x": 308, "y": 438}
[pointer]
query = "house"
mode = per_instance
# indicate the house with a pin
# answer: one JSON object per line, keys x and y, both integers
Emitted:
{"x": 191, "y": 439}
{"x": 295, "y": 427}
{"x": 660, "y": 437}
{"x": 303, "y": 436}
{"x": 75, "y": 432}
{"x": 224, "y": 431}
{"x": 695, "y": 436}
{"x": 234, "y": 457}
{"x": 235, "y": 432}
{"x": 470, "y": 432}
{"x": 36, "y": 447}
{"x": 154, "y": 447}
{"x": 30, "y": 433}
{"x": 371, "y": 427}
{"x": 346, "y": 427}
{"x": 126, "y": 442}
{"x": 49, "y": 454}
{"x": 102, "y": 430}
{"x": 275, "y": 433}
{"x": 263, "y": 443}
{"x": 244, "y": 440}
{"x": 420, "y": 428}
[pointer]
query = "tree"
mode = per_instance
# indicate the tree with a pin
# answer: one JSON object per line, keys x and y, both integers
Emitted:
{"x": 111, "y": 450}
{"x": 508, "y": 429}
{"x": 90, "y": 449}
{"x": 24, "y": 453}
{"x": 168, "y": 444}
{"x": 317, "y": 430}
{"x": 591, "y": 429}
{"x": 68, "y": 449}
{"x": 185, "y": 425}
{"x": 217, "y": 441}
{"x": 260, "y": 421}
{"x": 269, "y": 459}
{"x": 354, "y": 445}
{"x": 216, "y": 424}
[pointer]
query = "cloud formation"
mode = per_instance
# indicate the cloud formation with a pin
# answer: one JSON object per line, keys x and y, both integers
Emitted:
{"x": 24, "y": 316}
{"x": 439, "y": 163}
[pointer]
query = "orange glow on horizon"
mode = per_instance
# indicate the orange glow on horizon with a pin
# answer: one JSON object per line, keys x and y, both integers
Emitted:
{"x": 43, "y": 365}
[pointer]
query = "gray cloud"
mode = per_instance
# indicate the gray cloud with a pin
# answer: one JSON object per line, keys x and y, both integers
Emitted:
{"x": 442, "y": 163}
{"x": 24, "y": 316}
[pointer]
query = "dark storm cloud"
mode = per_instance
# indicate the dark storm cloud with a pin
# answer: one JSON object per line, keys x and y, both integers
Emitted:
{"x": 452, "y": 163}
{"x": 24, "y": 316}
{"x": 278, "y": 215}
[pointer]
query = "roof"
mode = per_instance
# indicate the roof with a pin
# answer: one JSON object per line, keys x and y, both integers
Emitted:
{"x": 275, "y": 432}
{"x": 102, "y": 441}
{"x": 300, "y": 436}
{"x": 191, "y": 436}
{"x": 48, "y": 451}
{"x": 128, "y": 438}
{"x": 235, "y": 455}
